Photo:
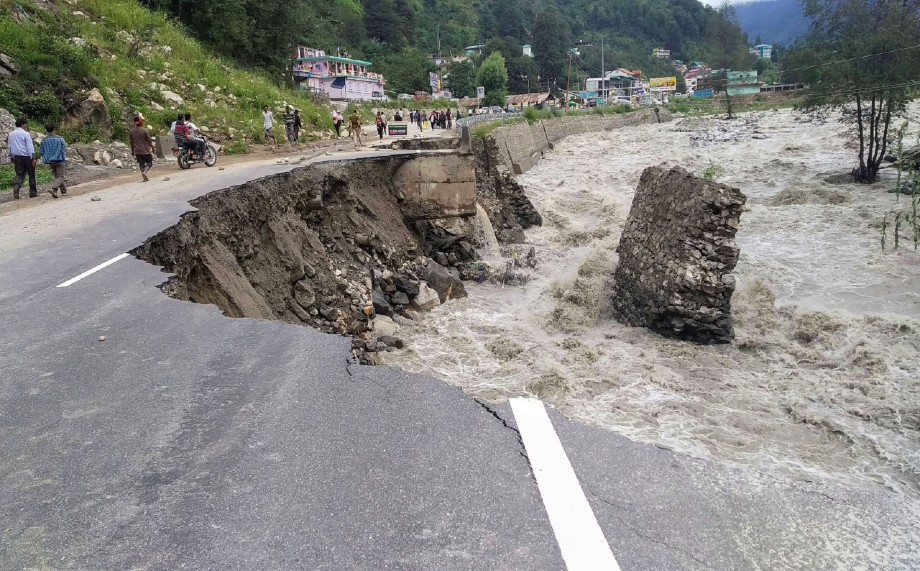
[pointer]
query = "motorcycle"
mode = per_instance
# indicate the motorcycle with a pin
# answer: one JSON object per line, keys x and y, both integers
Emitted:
{"x": 187, "y": 156}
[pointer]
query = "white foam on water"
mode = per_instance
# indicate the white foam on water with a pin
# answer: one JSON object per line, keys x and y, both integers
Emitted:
{"x": 823, "y": 380}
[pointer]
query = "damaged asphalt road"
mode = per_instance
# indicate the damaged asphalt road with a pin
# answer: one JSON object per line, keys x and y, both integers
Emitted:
{"x": 186, "y": 439}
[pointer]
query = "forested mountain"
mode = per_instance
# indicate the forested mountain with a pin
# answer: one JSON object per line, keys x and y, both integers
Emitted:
{"x": 773, "y": 21}
{"x": 398, "y": 35}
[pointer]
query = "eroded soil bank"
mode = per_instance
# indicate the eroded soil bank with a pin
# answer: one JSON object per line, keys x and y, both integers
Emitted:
{"x": 326, "y": 245}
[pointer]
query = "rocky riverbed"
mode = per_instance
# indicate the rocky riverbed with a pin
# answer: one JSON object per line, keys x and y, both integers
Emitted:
{"x": 822, "y": 380}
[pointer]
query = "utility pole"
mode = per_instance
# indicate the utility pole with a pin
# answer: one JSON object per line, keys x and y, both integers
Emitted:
{"x": 603, "y": 73}
{"x": 568, "y": 81}
{"x": 439, "y": 43}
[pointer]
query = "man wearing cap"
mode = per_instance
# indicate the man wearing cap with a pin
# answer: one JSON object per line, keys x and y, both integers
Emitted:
{"x": 142, "y": 147}
{"x": 22, "y": 154}
{"x": 54, "y": 154}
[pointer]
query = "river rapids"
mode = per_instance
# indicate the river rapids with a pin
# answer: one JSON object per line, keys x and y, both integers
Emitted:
{"x": 823, "y": 381}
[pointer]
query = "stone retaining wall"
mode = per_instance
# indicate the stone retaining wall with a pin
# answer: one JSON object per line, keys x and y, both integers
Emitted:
{"x": 522, "y": 145}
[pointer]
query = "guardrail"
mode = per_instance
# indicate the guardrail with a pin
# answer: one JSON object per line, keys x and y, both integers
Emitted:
{"x": 473, "y": 119}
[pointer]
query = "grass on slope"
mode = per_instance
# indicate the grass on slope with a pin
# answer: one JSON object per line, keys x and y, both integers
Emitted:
{"x": 8, "y": 176}
{"x": 132, "y": 55}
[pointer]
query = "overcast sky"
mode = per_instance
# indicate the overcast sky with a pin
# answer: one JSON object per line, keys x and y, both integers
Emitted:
{"x": 717, "y": 2}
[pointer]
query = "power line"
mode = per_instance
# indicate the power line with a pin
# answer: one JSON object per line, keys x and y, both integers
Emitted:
{"x": 851, "y": 59}
{"x": 868, "y": 89}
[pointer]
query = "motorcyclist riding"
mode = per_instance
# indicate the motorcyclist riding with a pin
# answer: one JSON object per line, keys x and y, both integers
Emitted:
{"x": 192, "y": 138}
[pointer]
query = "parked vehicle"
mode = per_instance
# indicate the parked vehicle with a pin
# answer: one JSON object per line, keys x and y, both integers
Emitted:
{"x": 186, "y": 156}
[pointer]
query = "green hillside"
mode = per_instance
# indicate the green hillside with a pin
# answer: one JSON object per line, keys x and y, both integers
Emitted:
{"x": 398, "y": 35}
{"x": 132, "y": 56}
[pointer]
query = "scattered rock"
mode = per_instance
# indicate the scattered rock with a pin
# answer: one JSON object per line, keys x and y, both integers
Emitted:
{"x": 441, "y": 280}
{"x": 172, "y": 97}
{"x": 102, "y": 337}
{"x": 92, "y": 111}
{"x": 381, "y": 304}
{"x": 116, "y": 163}
{"x": 102, "y": 158}
{"x": 426, "y": 299}
{"x": 303, "y": 294}
{"x": 399, "y": 298}
{"x": 407, "y": 286}
{"x": 8, "y": 67}
{"x": 391, "y": 341}
{"x": 384, "y": 326}
{"x": 95, "y": 199}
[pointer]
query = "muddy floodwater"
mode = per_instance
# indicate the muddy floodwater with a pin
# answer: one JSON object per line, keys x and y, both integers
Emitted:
{"x": 823, "y": 381}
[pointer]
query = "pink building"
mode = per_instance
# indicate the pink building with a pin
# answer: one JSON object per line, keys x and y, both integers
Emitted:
{"x": 339, "y": 77}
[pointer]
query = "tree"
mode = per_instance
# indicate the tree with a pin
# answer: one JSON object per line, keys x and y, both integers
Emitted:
{"x": 727, "y": 45}
{"x": 522, "y": 74}
{"x": 861, "y": 58}
{"x": 550, "y": 44}
{"x": 460, "y": 77}
{"x": 494, "y": 77}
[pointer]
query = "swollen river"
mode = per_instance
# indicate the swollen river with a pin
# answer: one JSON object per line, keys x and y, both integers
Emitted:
{"x": 823, "y": 381}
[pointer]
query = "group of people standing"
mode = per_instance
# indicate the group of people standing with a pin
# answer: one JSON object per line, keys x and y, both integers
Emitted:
{"x": 436, "y": 119}
{"x": 292, "y": 124}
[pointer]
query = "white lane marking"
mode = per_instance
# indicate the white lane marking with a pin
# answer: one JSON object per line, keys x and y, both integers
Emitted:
{"x": 92, "y": 271}
{"x": 580, "y": 538}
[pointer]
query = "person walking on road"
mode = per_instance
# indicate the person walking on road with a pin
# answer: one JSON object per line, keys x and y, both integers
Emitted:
{"x": 289, "y": 124}
{"x": 418, "y": 120}
{"x": 354, "y": 122}
{"x": 381, "y": 124}
{"x": 298, "y": 124}
{"x": 22, "y": 154}
{"x": 268, "y": 123}
{"x": 54, "y": 154}
{"x": 337, "y": 121}
{"x": 142, "y": 147}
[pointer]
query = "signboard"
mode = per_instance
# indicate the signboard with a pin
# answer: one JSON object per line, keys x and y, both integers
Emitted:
{"x": 434, "y": 82}
{"x": 480, "y": 92}
{"x": 703, "y": 92}
{"x": 398, "y": 129}
{"x": 663, "y": 84}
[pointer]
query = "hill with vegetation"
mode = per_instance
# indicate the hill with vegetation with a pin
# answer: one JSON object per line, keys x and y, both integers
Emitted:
{"x": 400, "y": 35}
{"x": 65, "y": 55}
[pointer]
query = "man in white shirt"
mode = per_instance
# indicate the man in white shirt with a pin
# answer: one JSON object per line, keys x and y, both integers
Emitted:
{"x": 268, "y": 122}
{"x": 22, "y": 154}
{"x": 191, "y": 133}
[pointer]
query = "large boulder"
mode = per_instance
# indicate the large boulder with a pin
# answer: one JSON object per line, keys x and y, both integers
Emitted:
{"x": 91, "y": 112}
{"x": 443, "y": 281}
{"x": 8, "y": 67}
{"x": 676, "y": 254}
{"x": 426, "y": 299}
{"x": 7, "y": 124}
{"x": 172, "y": 97}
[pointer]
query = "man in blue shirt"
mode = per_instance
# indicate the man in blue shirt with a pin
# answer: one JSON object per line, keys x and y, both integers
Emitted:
{"x": 22, "y": 153}
{"x": 54, "y": 154}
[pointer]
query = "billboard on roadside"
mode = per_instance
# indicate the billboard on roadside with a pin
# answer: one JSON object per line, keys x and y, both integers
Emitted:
{"x": 662, "y": 84}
